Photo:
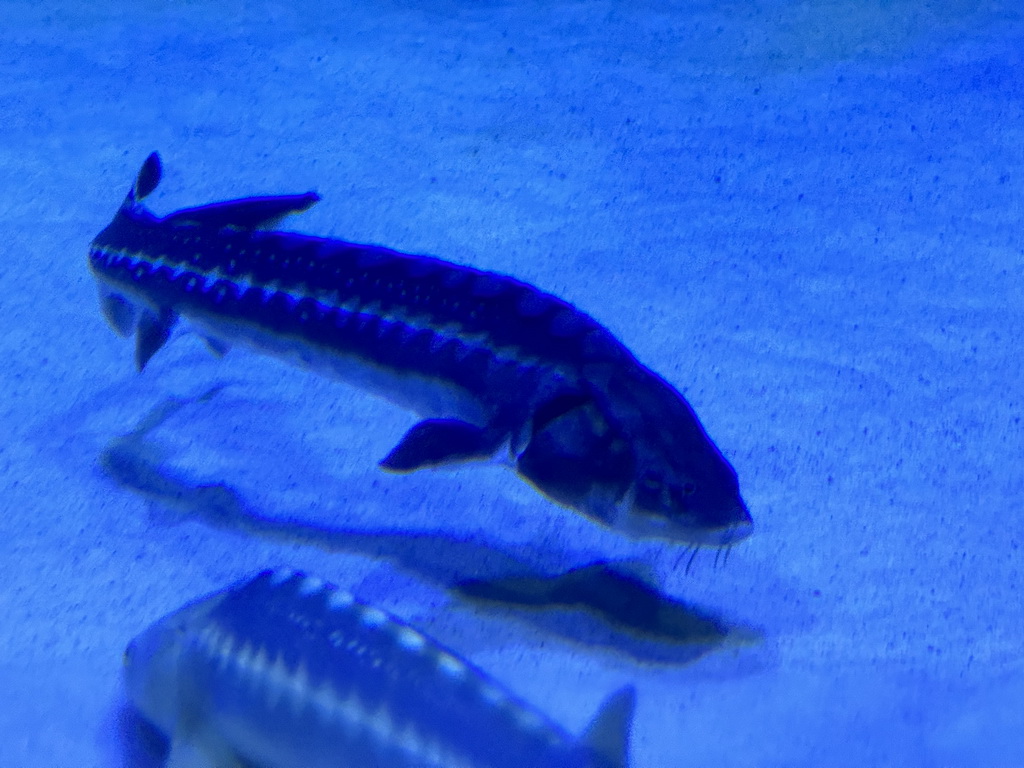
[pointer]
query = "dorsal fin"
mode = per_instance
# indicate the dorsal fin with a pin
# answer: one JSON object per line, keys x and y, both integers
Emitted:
{"x": 245, "y": 213}
{"x": 607, "y": 736}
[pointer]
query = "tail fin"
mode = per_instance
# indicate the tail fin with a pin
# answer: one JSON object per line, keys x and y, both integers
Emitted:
{"x": 607, "y": 736}
{"x": 149, "y": 176}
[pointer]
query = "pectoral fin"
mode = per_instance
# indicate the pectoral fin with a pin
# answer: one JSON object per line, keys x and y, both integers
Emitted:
{"x": 152, "y": 333}
{"x": 119, "y": 312}
{"x": 435, "y": 442}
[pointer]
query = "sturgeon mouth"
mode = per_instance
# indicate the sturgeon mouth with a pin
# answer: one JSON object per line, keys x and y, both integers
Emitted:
{"x": 641, "y": 525}
{"x": 731, "y": 534}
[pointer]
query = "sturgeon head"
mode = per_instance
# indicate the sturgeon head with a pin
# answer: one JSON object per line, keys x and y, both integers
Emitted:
{"x": 630, "y": 452}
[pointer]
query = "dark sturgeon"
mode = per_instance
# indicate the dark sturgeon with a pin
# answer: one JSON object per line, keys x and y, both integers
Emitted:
{"x": 493, "y": 364}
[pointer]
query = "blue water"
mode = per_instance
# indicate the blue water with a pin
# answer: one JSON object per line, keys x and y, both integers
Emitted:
{"x": 806, "y": 216}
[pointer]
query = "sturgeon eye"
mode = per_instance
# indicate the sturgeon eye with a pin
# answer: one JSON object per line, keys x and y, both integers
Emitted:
{"x": 689, "y": 488}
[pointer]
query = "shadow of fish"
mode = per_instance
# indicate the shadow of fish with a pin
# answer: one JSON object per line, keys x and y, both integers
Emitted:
{"x": 594, "y": 606}
{"x": 653, "y": 626}
{"x": 497, "y": 366}
{"x": 285, "y": 671}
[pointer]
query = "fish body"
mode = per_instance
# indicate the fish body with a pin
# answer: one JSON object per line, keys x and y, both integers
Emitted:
{"x": 285, "y": 671}
{"x": 495, "y": 365}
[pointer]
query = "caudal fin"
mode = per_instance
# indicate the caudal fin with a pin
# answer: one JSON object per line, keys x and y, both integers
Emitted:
{"x": 149, "y": 176}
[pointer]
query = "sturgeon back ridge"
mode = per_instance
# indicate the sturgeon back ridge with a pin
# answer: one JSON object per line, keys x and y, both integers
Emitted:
{"x": 286, "y": 671}
{"x": 490, "y": 362}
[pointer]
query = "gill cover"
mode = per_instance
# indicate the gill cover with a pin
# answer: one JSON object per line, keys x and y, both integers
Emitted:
{"x": 576, "y": 456}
